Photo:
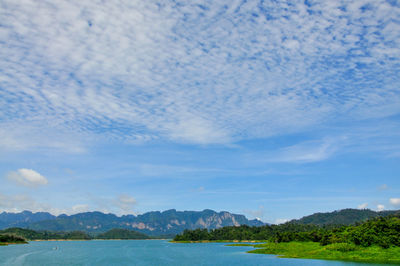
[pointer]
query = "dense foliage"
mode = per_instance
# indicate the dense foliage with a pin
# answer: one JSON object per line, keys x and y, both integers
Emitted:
{"x": 122, "y": 234}
{"x": 10, "y": 238}
{"x": 337, "y": 251}
{"x": 243, "y": 232}
{"x": 382, "y": 231}
{"x": 73, "y": 235}
{"x": 46, "y": 235}
{"x": 344, "y": 217}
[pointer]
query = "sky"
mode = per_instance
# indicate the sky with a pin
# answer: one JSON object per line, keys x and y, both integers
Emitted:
{"x": 272, "y": 109}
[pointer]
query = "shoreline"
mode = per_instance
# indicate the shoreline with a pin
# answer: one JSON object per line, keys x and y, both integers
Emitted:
{"x": 95, "y": 239}
{"x": 313, "y": 250}
{"x": 219, "y": 241}
{"x": 11, "y": 243}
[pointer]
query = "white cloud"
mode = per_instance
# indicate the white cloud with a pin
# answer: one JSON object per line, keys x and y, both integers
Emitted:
{"x": 257, "y": 214}
{"x": 16, "y": 202}
{"x": 147, "y": 169}
{"x": 362, "y": 206}
{"x": 380, "y": 207}
{"x": 395, "y": 201}
{"x": 80, "y": 208}
{"x": 383, "y": 187}
{"x": 27, "y": 177}
{"x": 22, "y": 202}
{"x": 306, "y": 152}
{"x": 125, "y": 203}
{"x": 197, "y": 130}
{"x": 22, "y": 137}
{"x": 139, "y": 71}
{"x": 281, "y": 221}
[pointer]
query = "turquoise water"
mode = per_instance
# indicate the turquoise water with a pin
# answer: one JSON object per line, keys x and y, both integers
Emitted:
{"x": 143, "y": 252}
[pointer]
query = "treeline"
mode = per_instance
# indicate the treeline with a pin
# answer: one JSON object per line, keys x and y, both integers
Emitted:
{"x": 7, "y": 239}
{"x": 45, "y": 235}
{"x": 382, "y": 231}
{"x": 122, "y": 234}
{"x": 243, "y": 232}
{"x": 73, "y": 235}
{"x": 344, "y": 217}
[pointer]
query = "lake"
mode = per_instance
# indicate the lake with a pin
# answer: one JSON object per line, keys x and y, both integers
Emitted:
{"x": 143, "y": 252}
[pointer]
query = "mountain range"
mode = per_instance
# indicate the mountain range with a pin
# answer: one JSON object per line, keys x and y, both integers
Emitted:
{"x": 155, "y": 223}
{"x": 343, "y": 217}
{"x": 167, "y": 223}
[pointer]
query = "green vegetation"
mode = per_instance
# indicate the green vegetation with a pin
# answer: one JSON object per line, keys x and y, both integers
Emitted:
{"x": 243, "y": 242}
{"x": 344, "y": 217}
{"x": 243, "y": 232}
{"x": 337, "y": 251}
{"x": 6, "y": 239}
{"x": 46, "y": 235}
{"x": 122, "y": 234}
{"x": 74, "y": 235}
{"x": 376, "y": 240}
{"x": 382, "y": 231}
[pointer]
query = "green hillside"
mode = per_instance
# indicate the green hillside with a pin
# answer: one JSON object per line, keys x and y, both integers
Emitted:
{"x": 46, "y": 235}
{"x": 375, "y": 241}
{"x": 343, "y": 217}
{"x": 122, "y": 234}
{"x": 6, "y": 239}
{"x": 382, "y": 231}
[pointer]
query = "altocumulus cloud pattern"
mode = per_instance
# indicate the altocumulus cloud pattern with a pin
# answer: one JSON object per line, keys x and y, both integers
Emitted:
{"x": 198, "y": 72}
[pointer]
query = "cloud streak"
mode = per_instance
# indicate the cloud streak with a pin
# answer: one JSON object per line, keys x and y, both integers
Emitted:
{"x": 395, "y": 201}
{"x": 194, "y": 73}
{"x": 305, "y": 152}
{"x": 27, "y": 178}
{"x": 380, "y": 207}
{"x": 362, "y": 206}
{"x": 125, "y": 203}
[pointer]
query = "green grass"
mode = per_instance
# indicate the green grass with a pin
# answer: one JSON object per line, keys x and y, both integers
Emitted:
{"x": 338, "y": 251}
{"x": 218, "y": 241}
{"x": 12, "y": 243}
{"x": 240, "y": 245}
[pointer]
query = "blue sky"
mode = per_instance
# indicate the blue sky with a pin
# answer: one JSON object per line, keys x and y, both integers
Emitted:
{"x": 271, "y": 109}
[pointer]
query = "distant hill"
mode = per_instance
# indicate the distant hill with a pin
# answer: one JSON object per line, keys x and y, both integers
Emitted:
{"x": 122, "y": 234}
{"x": 29, "y": 234}
{"x": 45, "y": 235}
{"x": 167, "y": 223}
{"x": 342, "y": 217}
{"x": 11, "y": 239}
{"x": 23, "y": 219}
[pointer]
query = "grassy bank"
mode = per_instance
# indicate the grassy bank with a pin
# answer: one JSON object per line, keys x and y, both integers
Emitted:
{"x": 218, "y": 241}
{"x": 12, "y": 243}
{"x": 338, "y": 251}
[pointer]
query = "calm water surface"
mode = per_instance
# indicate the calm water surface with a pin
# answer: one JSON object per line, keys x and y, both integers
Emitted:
{"x": 143, "y": 252}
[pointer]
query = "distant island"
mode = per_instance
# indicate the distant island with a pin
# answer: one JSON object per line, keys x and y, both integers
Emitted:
{"x": 118, "y": 233}
{"x": 20, "y": 235}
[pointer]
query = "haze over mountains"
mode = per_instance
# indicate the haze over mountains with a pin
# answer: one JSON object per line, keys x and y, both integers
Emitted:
{"x": 167, "y": 223}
